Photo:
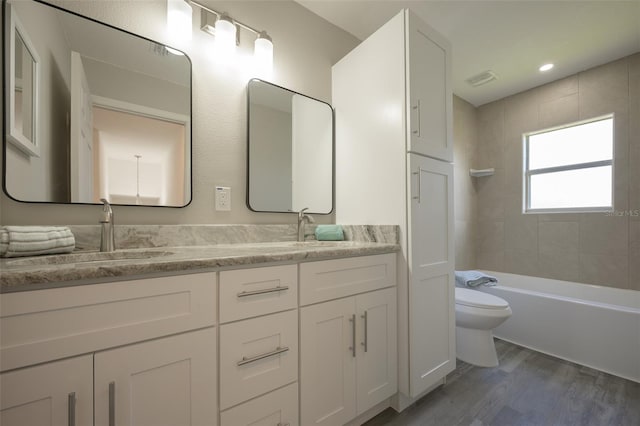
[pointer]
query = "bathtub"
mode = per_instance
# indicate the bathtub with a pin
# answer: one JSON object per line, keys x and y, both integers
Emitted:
{"x": 595, "y": 326}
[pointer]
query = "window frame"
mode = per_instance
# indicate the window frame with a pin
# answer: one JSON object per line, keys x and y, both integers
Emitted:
{"x": 527, "y": 172}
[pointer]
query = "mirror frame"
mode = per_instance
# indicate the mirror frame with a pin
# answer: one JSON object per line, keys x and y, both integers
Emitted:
{"x": 6, "y": 11}
{"x": 14, "y": 27}
{"x": 333, "y": 149}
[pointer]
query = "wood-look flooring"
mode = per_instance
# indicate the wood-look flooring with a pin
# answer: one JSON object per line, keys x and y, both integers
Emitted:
{"x": 527, "y": 388}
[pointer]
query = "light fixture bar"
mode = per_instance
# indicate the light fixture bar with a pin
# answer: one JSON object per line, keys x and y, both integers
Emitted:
{"x": 219, "y": 14}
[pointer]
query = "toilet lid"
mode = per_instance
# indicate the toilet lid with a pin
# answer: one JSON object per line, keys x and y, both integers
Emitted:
{"x": 479, "y": 299}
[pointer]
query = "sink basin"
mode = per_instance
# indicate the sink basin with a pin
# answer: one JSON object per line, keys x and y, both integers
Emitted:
{"x": 89, "y": 257}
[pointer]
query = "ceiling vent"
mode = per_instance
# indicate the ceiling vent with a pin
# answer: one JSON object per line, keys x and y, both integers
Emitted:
{"x": 482, "y": 78}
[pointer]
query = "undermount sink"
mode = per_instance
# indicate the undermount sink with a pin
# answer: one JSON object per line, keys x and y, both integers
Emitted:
{"x": 89, "y": 257}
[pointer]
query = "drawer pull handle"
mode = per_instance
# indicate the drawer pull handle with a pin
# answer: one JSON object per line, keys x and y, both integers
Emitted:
{"x": 112, "y": 404}
{"x": 352, "y": 348}
{"x": 72, "y": 409}
{"x": 366, "y": 332}
{"x": 263, "y": 291}
{"x": 277, "y": 351}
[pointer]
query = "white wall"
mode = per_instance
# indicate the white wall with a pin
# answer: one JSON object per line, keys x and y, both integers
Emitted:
{"x": 305, "y": 47}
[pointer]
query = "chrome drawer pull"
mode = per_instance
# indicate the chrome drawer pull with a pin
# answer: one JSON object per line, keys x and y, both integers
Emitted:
{"x": 72, "y": 409}
{"x": 366, "y": 332}
{"x": 263, "y": 291}
{"x": 277, "y": 351}
{"x": 352, "y": 348}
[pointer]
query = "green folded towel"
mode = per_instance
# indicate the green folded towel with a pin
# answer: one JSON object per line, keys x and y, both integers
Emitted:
{"x": 329, "y": 233}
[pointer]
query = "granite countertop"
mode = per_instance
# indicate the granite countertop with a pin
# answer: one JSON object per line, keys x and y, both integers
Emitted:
{"x": 85, "y": 267}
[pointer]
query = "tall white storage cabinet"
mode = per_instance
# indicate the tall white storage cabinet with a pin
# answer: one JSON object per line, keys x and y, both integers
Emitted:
{"x": 392, "y": 100}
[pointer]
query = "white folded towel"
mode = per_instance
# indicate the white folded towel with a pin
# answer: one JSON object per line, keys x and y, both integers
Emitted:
{"x": 474, "y": 279}
{"x": 16, "y": 241}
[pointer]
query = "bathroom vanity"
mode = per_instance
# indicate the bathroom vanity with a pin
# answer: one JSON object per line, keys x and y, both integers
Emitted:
{"x": 285, "y": 331}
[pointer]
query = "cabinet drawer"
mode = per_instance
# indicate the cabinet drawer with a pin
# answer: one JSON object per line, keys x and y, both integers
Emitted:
{"x": 256, "y": 356}
{"x": 43, "y": 325}
{"x": 279, "y": 407}
{"x": 247, "y": 293}
{"x": 332, "y": 279}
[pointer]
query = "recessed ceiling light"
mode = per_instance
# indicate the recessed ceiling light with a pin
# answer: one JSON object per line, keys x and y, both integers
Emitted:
{"x": 546, "y": 67}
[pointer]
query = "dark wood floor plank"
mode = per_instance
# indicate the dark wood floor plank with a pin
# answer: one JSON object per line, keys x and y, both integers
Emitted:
{"x": 527, "y": 389}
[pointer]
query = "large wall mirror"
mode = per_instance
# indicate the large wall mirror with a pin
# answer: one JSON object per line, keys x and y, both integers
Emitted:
{"x": 92, "y": 111}
{"x": 290, "y": 146}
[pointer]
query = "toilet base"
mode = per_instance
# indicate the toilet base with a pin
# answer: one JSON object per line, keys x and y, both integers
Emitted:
{"x": 476, "y": 347}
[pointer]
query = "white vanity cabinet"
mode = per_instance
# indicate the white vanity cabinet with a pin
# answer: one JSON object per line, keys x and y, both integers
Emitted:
{"x": 123, "y": 352}
{"x": 259, "y": 346}
{"x": 348, "y": 345}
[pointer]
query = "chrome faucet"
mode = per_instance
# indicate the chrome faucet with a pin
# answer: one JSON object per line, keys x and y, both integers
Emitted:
{"x": 303, "y": 219}
{"x": 107, "y": 237}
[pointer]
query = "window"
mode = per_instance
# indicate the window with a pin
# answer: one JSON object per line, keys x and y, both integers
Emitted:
{"x": 570, "y": 168}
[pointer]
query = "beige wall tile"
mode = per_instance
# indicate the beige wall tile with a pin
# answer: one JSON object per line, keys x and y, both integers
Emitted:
{"x": 524, "y": 262}
{"x": 557, "y": 89}
{"x": 634, "y": 65}
{"x": 465, "y": 245}
{"x": 490, "y": 143}
{"x": 490, "y": 261}
{"x": 634, "y": 236}
{"x": 490, "y": 237}
{"x": 513, "y": 167}
{"x": 491, "y": 111}
{"x": 521, "y": 234}
{"x": 559, "y": 265}
{"x": 559, "y": 111}
{"x": 634, "y": 181}
{"x": 521, "y": 116}
{"x": 605, "y": 270}
{"x": 611, "y": 79}
{"x": 602, "y": 234}
{"x": 491, "y": 190}
{"x": 554, "y": 237}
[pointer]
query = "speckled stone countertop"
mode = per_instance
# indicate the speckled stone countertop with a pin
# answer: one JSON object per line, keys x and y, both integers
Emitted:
{"x": 90, "y": 266}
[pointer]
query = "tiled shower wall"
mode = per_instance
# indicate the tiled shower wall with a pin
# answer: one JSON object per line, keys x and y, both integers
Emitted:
{"x": 465, "y": 199}
{"x": 593, "y": 248}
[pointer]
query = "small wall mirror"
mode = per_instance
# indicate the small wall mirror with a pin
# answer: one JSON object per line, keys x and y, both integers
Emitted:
{"x": 290, "y": 151}
{"x": 93, "y": 112}
{"x": 22, "y": 90}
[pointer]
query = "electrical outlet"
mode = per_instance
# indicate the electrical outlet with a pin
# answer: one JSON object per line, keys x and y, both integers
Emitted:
{"x": 223, "y": 198}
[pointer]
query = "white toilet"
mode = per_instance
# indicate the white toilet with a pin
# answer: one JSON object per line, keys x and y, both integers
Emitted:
{"x": 477, "y": 314}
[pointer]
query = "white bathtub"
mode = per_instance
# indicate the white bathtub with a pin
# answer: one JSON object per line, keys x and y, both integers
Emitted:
{"x": 587, "y": 324}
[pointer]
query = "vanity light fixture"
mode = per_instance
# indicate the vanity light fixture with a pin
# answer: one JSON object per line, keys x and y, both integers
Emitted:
{"x": 179, "y": 20}
{"x": 545, "y": 67}
{"x": 227, "y": 33}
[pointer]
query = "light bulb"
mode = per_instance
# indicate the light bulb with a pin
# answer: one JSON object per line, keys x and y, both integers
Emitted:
{"x": 179, "y": 17}
{"x": 225, "y": 34}
{"x": 263, "y": 53}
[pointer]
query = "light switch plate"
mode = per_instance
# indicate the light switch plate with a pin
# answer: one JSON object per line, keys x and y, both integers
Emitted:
{"x": 223, "y": 198}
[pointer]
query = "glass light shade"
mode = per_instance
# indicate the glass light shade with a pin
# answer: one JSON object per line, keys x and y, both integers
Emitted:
{"x": 225, "y": 34}
{"x": 263, "y": 52}
{"x": 179, "y": 16}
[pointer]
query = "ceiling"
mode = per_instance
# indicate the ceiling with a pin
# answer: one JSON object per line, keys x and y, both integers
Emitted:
{"x": 512, "y": 38}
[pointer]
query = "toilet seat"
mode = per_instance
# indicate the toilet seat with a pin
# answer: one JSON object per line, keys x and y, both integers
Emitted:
{"x": 478, "y": 299}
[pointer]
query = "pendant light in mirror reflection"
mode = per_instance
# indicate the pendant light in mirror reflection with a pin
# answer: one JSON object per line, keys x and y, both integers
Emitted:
{"x": 226, "y": 31}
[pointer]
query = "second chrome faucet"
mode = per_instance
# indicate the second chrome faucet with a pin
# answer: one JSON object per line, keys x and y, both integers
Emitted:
{"x": 303, "y": 219}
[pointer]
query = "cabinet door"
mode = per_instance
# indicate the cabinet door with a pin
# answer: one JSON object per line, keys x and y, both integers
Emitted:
{"x": 169, "y": 381}
{"x": 430, "y": 94}
{"x": 431, "y": 282}
{"x": 328, "y": 363}
{"x": 58, "y": 393}
{"x": 377, "y": 347}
